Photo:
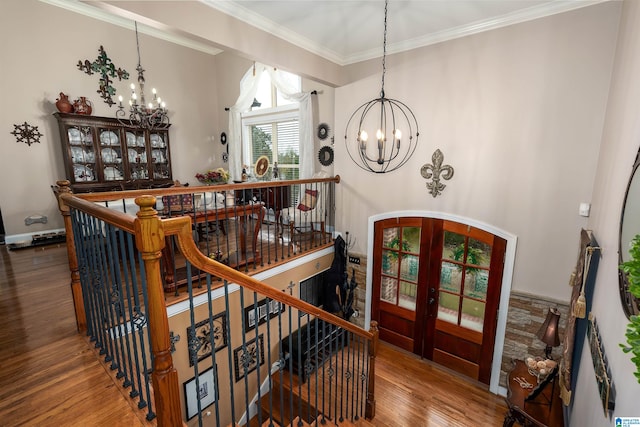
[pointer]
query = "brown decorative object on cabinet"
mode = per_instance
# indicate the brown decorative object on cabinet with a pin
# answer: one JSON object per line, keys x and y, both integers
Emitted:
{"x": 63, "y": 104}
{"x": 82, "y": 106}
{"x": 102, "y": 154}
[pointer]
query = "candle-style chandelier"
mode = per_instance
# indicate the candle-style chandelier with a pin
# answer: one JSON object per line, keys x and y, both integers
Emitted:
{"x": 392, "y": 118}
{"x": 152, "y": 115}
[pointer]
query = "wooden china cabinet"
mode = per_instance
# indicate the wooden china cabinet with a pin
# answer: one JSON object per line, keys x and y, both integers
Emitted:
{"x": 103, "y": 154}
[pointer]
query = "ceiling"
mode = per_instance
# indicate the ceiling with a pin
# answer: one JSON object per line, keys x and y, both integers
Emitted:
{"x": 348, "y": 31}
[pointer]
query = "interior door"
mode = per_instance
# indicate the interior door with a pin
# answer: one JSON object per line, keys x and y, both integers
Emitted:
{"x": 436, "y": 291}
{"x": 400, "y": 281}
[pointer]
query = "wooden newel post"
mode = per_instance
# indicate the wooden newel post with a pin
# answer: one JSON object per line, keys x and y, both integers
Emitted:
{"x": 370, "y": 410}
{"x": 150, "y": 242}
{"x": 64, "y": 187}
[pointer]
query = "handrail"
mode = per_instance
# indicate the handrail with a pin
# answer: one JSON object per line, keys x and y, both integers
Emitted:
{"x": 170, "y": 191}
{"x": 150, "y": 230}
{"x": 113, "y": 217}
{"x": 181, "y": 227}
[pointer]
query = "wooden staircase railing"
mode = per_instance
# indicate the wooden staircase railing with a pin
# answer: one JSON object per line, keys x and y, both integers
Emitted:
{"x": 150, "y": 232}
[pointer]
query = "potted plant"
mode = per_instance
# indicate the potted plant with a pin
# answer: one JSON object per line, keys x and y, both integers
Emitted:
{"x": 632, "y": 270}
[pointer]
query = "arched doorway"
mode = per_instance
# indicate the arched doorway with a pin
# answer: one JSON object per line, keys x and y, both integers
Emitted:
{"x": 435, "y": 286}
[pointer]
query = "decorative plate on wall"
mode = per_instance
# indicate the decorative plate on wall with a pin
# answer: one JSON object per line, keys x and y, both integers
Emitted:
{"x": 223, "y": 138}
{"x": 262, "y": 166}
{"x": 323, "y": 131}
{"x": 325, "y": 155}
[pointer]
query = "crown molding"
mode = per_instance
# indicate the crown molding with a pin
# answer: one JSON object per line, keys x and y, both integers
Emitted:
{"x": 241, "y": 13}
{"x": 105, "y": 16}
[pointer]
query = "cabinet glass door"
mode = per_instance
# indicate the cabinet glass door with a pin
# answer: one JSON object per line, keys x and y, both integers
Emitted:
{"x": 83, "y": 154}
{"x": 137, "y": 156}
{"x": 159, "y": 154}
{"x": 111, "y": 154}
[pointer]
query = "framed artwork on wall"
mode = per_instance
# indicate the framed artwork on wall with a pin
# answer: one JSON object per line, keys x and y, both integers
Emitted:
{"x": 261, "y": 311}
{"x": 248, "y": 357}
{"x": 204, "y": 390}
{"x": 205, "y": 336}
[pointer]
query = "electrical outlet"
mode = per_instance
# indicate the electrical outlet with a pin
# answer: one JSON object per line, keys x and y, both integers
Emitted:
{"x": 354, "y": 260}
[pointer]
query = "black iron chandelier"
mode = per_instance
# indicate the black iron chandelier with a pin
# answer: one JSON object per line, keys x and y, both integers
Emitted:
{"x": 397, "y": 129}
{"x": 152, "y": 115}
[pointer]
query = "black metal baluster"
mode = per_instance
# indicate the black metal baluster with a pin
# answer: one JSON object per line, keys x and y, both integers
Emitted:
{"x": 117, "y": 299}
{"x": 229, "y": 348}
{"x": 212, "y": 343}
{"x": 282, "y": 364}
{"x": 99, "y": 285}
{"x": 268, "y": 347}
{"x": 130, "y": 271}
{"x": 194, "y": 344}
{"x": 140, "y": 321}
{"x": 342, "y": 375}
{"x": 290, "y": 368}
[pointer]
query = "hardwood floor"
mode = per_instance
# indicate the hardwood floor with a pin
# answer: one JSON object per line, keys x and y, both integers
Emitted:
{"x": 50, "y": 375}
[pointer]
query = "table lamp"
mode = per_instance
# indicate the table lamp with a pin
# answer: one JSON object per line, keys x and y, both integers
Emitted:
{"x": 548, "y": 332}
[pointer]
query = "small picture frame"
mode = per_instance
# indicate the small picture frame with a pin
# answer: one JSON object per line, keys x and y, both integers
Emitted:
{"x": 248, "y": 357}
{"x": 274, "y": 308}
{"x": 205, "y": 390}
{"x": 207, "y": 337}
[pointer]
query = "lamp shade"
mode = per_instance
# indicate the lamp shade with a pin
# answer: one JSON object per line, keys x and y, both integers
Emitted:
{"x": 548, "y": 332}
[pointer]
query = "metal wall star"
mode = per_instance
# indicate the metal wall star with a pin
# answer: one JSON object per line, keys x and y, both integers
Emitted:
{"x": 26, "y": 133}
{"x": 433, "y": 171}
{"x": 103, "y": 66}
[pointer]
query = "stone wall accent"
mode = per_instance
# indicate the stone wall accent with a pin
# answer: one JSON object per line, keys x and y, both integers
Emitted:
{"x": 360, "y": 292}
{"x": 526, "y": 314}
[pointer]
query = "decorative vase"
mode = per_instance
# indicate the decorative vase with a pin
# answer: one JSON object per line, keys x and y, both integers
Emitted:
{"x": 82, "y": 106}
{"x": 63, "y": 105}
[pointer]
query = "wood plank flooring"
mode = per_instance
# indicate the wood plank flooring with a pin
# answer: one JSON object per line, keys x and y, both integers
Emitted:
{"x": 50, "y": 375}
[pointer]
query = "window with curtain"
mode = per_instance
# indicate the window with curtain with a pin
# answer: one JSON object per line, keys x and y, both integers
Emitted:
{"x": 272, "y": 129}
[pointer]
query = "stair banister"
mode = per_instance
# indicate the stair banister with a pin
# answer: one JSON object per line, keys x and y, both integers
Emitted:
{"x": 64, "y": 187}
{"x": 150, "y": 242}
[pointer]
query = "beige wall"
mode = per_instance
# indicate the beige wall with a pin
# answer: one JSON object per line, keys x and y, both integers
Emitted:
{"x": 620, "y": 141}
{"x": 41, "y": 47}
{"x": 518, "y": 113}
{"x": 179, "y": 323}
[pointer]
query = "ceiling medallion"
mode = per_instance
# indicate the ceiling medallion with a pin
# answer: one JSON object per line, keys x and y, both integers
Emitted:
{"x": 433, "y": 171}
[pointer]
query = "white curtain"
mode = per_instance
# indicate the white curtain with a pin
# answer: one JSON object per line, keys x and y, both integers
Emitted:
{"x": 248, "y": 89}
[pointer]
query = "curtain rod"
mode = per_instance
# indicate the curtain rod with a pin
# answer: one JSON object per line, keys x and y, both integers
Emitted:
{"x": 313, "y": 92}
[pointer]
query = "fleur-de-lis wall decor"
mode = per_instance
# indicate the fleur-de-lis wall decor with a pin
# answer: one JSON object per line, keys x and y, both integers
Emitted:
{"x": 103, "y": 66}
{"x": 436, "y": 171}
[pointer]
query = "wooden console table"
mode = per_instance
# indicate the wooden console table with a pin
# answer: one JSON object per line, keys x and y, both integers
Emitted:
{"x": 234, "y": 259}
{"x": 543, "y": 411}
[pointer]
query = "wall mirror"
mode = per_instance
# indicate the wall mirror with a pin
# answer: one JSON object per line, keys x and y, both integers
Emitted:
{"x": 629, "y": 227}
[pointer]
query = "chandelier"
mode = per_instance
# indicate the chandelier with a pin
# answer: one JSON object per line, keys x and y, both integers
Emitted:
{"x": 391, "y": 118}
{"x": 152, "y": 115}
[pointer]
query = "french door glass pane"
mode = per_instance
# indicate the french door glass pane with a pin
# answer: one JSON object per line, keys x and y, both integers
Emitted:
{"x": 475, "y": 283}
{"x": 450, "y": 277}
{"x": 388, "y": 290}
{"x": 390, "y": 263}
{"x": 453, "y": 246}
{"x": 472, "y": 314}
{"x": 448, "y": 307}
{"x": 390, "y": 238}
{"x": 408, "y": 293}
{"x": 409, "y": 267}
{"x": 411, "y": 239}
{"x": 479, "y": 253}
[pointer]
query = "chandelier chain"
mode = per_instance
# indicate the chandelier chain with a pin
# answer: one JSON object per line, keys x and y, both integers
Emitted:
{"x": 137, "y": 43}
{"x": 384, "y": 48}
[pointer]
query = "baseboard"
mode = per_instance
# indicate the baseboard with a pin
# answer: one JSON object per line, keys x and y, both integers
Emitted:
{"x": 35, "y": 238}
